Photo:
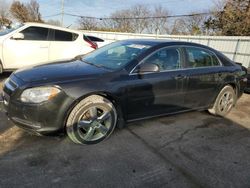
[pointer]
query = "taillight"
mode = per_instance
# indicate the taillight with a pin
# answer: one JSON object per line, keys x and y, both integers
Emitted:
{"x": 91, "y": 43}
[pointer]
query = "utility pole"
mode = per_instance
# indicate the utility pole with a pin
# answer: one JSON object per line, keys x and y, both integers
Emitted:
{"x": 62, "y": 12}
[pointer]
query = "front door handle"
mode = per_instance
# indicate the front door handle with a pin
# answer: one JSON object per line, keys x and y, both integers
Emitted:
{"x": 44, "y": 47}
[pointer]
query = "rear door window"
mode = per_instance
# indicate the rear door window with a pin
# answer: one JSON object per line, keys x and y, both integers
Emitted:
{"x": 65, "y": 36}
{"x": 198, "y": 57}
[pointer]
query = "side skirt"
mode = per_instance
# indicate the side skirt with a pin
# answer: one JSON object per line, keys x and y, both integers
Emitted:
{"x": 167, "y": 114}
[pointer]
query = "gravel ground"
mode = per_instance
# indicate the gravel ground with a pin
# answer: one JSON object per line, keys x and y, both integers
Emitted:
{"x": 193, "y": 149}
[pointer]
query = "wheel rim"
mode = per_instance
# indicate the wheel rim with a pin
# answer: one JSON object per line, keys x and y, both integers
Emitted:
{"x": 226, "y": 102}
{"x": 94, "y": 123}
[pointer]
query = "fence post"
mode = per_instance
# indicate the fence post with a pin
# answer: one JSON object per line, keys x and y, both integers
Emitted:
{"x": 208, "y": 42}
{"x": 157, "y": 34}
{"x": 236, "y": 49}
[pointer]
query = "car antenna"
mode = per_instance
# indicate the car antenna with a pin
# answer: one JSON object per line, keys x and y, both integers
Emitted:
{"x": 69, "y": 26}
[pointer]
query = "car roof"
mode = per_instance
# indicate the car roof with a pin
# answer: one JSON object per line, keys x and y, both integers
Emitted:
{"x": 162, "y": 41}
{"x": 166, "y": 42}
{"x": 51, "y": 26}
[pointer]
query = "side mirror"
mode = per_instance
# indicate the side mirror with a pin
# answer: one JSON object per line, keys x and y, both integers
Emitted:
{"x": 18, "y": 36}
{"x": 149, "y": 67}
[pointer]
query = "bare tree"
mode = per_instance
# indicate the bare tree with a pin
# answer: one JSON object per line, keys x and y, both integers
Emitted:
{"x": 140, "y": 13}
{"x": 86, "y": 23}
{"x": 33, "y": 11}
{"x": 189, "y": 25}
{"x": 108, "y": 25}
{"x": 131, "y": 20}
{"x": 136, "y": 19}
{"x": 179, "y": 27}
{"x": 4, "y": 14}
{"x": 158, "y": 24}
{"x": 121, "y": 21}
{"x": 19, "y": 11}
{"x": 28, "y": 12}
{"x": 53, "y": 22}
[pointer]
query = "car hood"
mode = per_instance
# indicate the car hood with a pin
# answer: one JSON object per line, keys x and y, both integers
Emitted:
{"x": 59, "y": 71}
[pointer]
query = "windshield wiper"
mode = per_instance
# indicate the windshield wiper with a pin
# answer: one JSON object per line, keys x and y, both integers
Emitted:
{"x": 96, "y": 65}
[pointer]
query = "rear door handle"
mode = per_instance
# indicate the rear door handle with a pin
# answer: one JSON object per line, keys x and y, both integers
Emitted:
{"x": 179, "y": 77}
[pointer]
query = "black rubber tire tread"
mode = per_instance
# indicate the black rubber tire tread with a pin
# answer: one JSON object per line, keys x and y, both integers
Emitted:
{"x": 91, "y": 100}
{"x": 1, "y": 67}
{"x": 214, "y": 110}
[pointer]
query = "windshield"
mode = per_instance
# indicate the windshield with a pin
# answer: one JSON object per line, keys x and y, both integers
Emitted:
{"x": 7, "y": 31}
{"x": 115, "y": 56}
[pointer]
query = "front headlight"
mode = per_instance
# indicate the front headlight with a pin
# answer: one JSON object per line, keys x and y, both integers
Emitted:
{"x": 39, "y": 94}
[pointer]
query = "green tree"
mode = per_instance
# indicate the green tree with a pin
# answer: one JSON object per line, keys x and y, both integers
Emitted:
{"x": 26, "y": 12}
{"x": 4, "y": 14}
{"x": 233, "y": 19}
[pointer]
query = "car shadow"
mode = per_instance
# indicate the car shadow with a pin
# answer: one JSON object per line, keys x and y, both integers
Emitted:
{"x": 192, "y": 143}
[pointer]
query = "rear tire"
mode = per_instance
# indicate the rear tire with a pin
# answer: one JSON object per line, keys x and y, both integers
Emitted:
{"x": 1, "y": 68}
{"x": 91, "y": 121}
{"x": 224, "y": 102}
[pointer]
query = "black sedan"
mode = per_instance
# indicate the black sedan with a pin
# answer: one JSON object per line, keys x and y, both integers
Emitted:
{"x": 247, "y": 89}
{"x": 121, "y": 82}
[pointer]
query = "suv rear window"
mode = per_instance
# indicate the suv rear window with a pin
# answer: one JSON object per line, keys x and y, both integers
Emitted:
{"x": 65, "y": 36}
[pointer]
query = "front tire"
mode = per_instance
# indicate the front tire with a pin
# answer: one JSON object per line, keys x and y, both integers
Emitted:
{"x": 91, "y": 121}
{"x": 224, "y": 102}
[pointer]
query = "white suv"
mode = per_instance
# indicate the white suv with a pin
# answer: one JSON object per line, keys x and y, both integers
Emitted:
{"x": 35, "y": 43}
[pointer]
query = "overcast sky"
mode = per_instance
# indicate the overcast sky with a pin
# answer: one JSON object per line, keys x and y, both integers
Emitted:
{"x": 102, "y": 8}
